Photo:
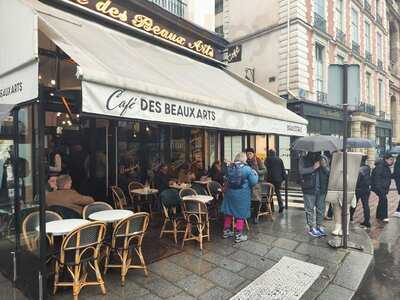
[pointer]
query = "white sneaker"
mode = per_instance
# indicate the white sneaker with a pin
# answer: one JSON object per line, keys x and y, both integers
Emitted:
{"x": 386, "y": 220}
{"x": 397, "y": 214}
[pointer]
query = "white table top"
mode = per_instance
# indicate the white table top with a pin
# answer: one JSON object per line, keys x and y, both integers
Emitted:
{"x": 145, "y": 191}
{"x": 205, "y": 182}
{"x": 110, "y": 216}
{"x": 180, "y": 186}
{"x": 203, "y": 198}
{"x": 62, "y": 227}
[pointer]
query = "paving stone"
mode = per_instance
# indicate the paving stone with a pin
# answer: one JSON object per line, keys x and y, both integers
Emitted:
{"x": 130, "y": 290}
{"x": 286, "y": 244}
{"x": 332, "y": 255}
{"x": 195, "y": 285}
{"x": 335, "y": 292}
{"x": 216, "y": 293}
{"x": 264, "y": 238}
{"x": 277, "y": 253}
{"x": 182, "y": 296}
{"x": 224, "y": 249}
{"x": 250, "y": 273}
{"x": 158, "y": 285}
{"x": 169, "y": 270}
{"x": 191, "y": 263}
{"x": 147, "y": 297}
{"x": 252, "y": 260}
{"x": 330, "y": 269}
{"x": 224, "y": 278}
{"x": 311, "y": 295}
{"x": 253, "y": 247}
{"x": 353, "y": 269}
{"x": 224, "y": 262}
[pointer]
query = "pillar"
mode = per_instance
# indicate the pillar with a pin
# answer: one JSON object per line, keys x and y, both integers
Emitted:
{"x": 371, "y": 136}
{"x": 356, "y": 129}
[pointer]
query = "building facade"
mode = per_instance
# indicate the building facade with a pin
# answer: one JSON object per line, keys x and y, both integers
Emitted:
{"x": 287, "y": 45}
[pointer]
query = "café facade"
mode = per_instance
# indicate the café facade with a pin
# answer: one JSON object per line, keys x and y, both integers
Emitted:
{"x": 126, "y": 81}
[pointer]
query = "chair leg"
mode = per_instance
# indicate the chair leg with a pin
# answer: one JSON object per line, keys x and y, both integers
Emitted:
{"x": 200, "y": 229}
{"x": 208, "y": 230}
{"x": 98, "y": 277}
{"x": 143, "y": 263}
{"x": 76, "y": 282}
{"x": 107, "y": 259}
{"x": 247, "y": 225}
{"x": 175, "y": 228}
{"x": 163, "y": 227}
{"x": 124, "y": 267}
{"x": 185, "y": 236}
{"x": 56, "y": 276}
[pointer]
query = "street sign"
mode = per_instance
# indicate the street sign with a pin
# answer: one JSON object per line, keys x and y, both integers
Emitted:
{"x": 335, "y": 85}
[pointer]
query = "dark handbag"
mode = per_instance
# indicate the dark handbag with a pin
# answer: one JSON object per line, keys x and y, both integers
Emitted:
{"x": 307, "y": 182}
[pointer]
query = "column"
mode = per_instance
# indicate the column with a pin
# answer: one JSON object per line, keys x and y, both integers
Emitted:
{"x": 356, "y": 129}
{"x": 371, "y": 136}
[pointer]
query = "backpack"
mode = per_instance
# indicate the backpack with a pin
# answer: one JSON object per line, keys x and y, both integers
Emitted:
{"x": 235, "y": 176}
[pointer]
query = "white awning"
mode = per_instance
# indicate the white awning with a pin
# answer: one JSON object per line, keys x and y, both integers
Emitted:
{"x": 127, "y": 77}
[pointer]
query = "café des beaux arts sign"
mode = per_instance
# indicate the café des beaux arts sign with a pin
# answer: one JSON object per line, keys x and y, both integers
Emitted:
{"x": 141, "y": 22}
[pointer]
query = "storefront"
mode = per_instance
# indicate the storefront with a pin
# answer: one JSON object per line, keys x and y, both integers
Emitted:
{"x": 121, "y": 88}
{"x": 383, "y": 136}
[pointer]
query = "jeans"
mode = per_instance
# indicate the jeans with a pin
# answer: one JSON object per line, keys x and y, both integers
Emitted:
{"x": 314, "y": 201}
{"x": 382, "y": 209}
{"x": 364, "y": 196}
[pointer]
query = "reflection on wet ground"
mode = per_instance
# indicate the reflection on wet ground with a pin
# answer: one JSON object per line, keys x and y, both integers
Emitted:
{"x": 384, "y": 280}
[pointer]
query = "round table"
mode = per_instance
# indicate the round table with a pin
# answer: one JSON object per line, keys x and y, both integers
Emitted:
{"x": 63, "y": 227}
{"x": 180, "y": 186}
{"x": 110, "y": 216}
{"x": 145, "y": 191}
{"x": 202, "y": 198}
{"x": 203, "y": 182}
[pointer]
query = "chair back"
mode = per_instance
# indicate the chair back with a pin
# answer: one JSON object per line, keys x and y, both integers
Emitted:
{"x": 267, "y": 191}
{"x": 118, "y": 197}
{"x": 130, "y": 228}
{"x": 169, "y": 199}
{"x": 133, "y": 185}
{"x": 30, "y": 225}
{"x": 187, "y": 192}
{"x": 214, "y": 188}
{"x": 95, "y": 207}
{"x": 194, "y": 211}
{"x": 82, "y": 244}
{"x": 200, "y": 189}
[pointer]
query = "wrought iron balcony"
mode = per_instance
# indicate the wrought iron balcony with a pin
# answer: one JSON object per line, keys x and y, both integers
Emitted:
{"x": 367, "y": 6}
{"x": 382, "y": 115}
{"x": 340, "y": 36}
{"x": 319, "y": 22}
{"x": 366, "y": 108}
{"x": 368, "y": 56}
{"x": 322, "y": 97}
{"x": 380, "y": 65}
{"x": 379, "y": 19}
{"x": 355, "y": 47}
{"x": 177, "y": 7}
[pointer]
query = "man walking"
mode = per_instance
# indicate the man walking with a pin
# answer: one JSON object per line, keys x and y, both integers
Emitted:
{"x": 275, "y": 174}
{"x": 381, "y": 180}
{"x": 314, "y": 173}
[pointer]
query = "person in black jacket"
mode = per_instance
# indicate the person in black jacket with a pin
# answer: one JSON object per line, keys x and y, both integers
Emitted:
{"x": 396, "y": 176}
{"x": 275, "y": 174}
{"x": 363, "y": 190}
{"x": 381, "y": 179}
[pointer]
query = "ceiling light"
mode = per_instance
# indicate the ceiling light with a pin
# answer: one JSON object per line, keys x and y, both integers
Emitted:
{"x": 52, "y": 82}
{"x": 58, "y": 114}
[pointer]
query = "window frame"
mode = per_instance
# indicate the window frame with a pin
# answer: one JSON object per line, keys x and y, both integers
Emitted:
{"x": 367, "y": 37}
{"x": 339, "y": 15}
{"x": 355, "y": 26}
{"x": 319, "y": 68}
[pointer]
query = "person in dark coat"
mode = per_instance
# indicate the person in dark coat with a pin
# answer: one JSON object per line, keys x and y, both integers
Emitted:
{"x": 381, "y": 180}
{"x": 396, "y": 176}
{"x": 363, "y": 190}
{"x": 162, "y": 178}
{"x": 215, "y": 172}
{"x": 276, "y": 174}
{"x": 314, "y": 172}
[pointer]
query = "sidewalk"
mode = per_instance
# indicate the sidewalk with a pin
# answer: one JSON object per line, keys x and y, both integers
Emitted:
{"x": 225, "y": 268}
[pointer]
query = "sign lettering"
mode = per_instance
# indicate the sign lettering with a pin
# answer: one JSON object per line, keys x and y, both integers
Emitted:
{"x": 12, "y": 89}
{"x": 234, "y": 53}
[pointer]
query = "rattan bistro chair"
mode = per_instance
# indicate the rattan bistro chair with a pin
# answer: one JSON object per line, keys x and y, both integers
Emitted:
{"x": 186, "y": 192}
{"x": 95, "y": 207}
{"x": 127, "y": 237}
{"x": 119, "y": 198}
{"x": 197, "y": 222}
{"x": 265, "y": 206}
{"x": 170, "y": 202}
{"x": 80, "y": 252}
{"x": 215, "y": 190}
{"x": 30, "y": 232}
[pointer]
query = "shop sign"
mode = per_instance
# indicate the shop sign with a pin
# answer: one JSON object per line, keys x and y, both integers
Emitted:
{"x": 141, "y": 22}
{"x": 234, "y": 53}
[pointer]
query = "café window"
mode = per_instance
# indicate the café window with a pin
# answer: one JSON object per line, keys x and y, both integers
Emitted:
{"x": 232, "y": 146}
{"x": 196, "y": 144}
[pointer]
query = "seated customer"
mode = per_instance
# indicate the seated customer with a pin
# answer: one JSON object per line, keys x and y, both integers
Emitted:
{"x": 66, "y": 197}
{"x": 162, "y": 178}
{"x": 51, "y": 184}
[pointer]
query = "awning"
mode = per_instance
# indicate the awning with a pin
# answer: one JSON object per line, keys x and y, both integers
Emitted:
{"x": 18, "y": 55}
{"x": 123, "y": 76}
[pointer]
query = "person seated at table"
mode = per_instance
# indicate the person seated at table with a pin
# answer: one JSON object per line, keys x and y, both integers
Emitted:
{"x": 67, "y": 198}
{"x": 162, "y": 178}
{"x": 185, "y": 174}
{"x": 51, "y": 185}
{"x": 215, "y": 172}
{"x": 198, "y": 170}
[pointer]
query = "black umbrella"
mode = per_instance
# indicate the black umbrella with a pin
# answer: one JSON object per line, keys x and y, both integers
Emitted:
{"x": 395, "y": 150}
{"x": 317, "y": 143}
{"x": 360, "y": 143}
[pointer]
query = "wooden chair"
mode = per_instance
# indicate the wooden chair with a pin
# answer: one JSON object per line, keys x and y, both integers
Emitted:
{"x": 30, "y": 226}
{"x": 95, "y": 207}
{"x": 169, "y": 202}
{"x": 127, "y": 236}
{"x": 197, "y": 222}
{"x": 215, "y": 190}
{"x": 138, "y": 201}
{"x": 265, "y": 206}
{"x": 119, "y": 198}
{"x": 186, "y": 192}
{"x": 200, "y": 189}
{"x": 80, "y": 252}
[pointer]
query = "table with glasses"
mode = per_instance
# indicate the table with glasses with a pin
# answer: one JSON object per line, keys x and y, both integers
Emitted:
{"x": 110, "y": 216}
{"x": 203, "y": 198}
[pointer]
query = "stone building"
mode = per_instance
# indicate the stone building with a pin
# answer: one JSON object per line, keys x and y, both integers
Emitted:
{"x": 287, "y": 45}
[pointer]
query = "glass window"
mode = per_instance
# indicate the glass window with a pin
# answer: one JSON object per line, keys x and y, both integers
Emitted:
{"x": 378, "y": 8}
{"x": 381, "y": 94}
{"x": 319, "y": 58}
{"x": 219, "y": 6}
{"x": 354, "y": 25}
{"x": 212, "y": 147}
{"x": 339, "y": 14}
{"x": 367, "y": 37}
{"x": 261, "y": 146}
{"x": 368, "y": 87}
{"x": 340, "y": 60}
{"x": 379, "y": 45}
{"x": 220, "y": 30}
{"x": 232, "y": 146}
{"x": 196, "y": 144}
{"x": 320, "y": 7}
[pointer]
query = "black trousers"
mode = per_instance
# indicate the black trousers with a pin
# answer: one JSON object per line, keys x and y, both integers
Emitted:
{"x": 364, "y": 196}
{"x": 382, "y": 209}
{"x": 277, "y": 187}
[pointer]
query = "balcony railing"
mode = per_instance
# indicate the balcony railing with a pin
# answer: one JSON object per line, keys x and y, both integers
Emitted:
{"x": 367, "y": 6}
{"x": 379, "y": 19}
{"x": 322, "y": 97}
{"x": 355, "y": 47}
{"x": 177, "y": 7}
{"x": 366, "y": 108}
{"x": 319, "y": 22}
{"x": 380, "y": 65}
{"x": 382, "y": 115}
{"x": 340, "y": 36}
{"x": 368, "y": 56}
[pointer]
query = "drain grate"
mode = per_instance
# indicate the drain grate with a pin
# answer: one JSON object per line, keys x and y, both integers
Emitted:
{"x": 289, "y": 279}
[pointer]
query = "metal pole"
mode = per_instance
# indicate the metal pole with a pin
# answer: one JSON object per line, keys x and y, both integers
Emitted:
{"x": 345, "y": 116}
{"x": 286, "y": 190}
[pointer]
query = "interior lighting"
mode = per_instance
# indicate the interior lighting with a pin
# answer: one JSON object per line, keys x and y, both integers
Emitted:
{"x": 52, "y": 82}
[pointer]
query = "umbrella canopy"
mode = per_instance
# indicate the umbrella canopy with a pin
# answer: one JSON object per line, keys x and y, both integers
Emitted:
{"x": 395, "y": 150}
{"x": 360, "y": 143}
{"x": 318, "y": 143}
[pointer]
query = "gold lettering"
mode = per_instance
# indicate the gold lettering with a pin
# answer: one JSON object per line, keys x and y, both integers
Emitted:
{"x": 156, "y": 29}
{"x": 201, "y": 47}
{"x": 114, "y": 12}
{"x": 181, "y": 40}
{"x": 83, "y": 2}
